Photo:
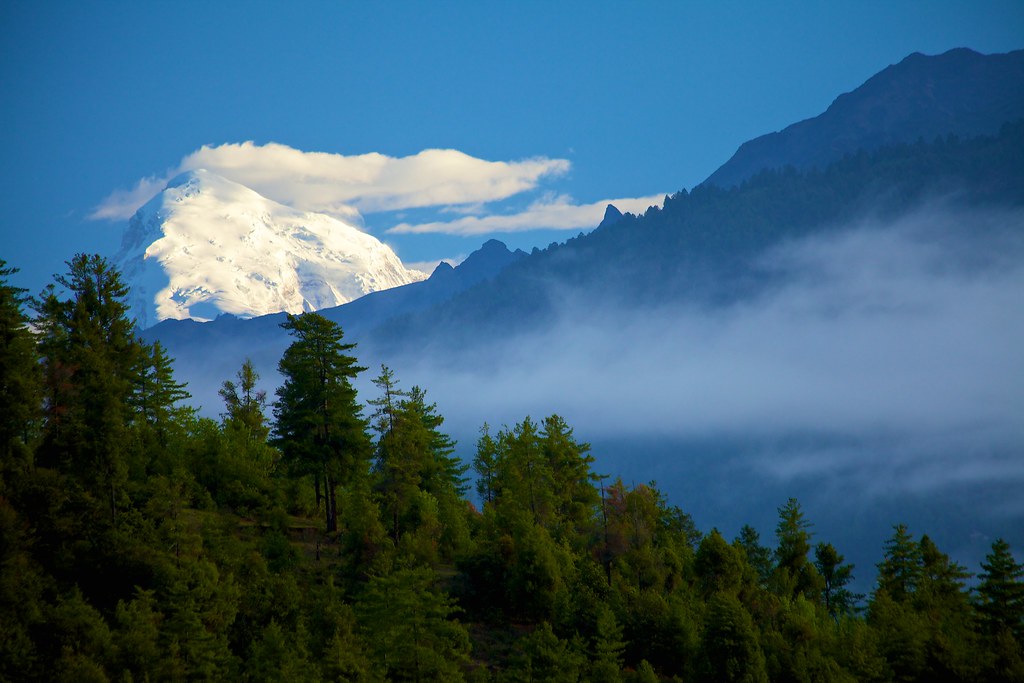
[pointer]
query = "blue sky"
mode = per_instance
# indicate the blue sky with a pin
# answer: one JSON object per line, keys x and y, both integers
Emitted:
{"x": 553, "y": 108}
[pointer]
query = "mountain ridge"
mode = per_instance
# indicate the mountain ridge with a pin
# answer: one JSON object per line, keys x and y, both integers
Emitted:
{"x": 700, "y": 249}
{"x": 959, "y": 92}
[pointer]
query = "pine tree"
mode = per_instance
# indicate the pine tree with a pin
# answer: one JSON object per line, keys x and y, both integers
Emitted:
{"x": 546, "y": 657}
{"x": 402, "y": 453}
{"x": 1000, "y": 593}
{"x": 409, "y": 627}
{"x": 319, "y": 425}
{"x": 156, "y": 394}
{"x": 719, "y": 566}
{"x": 485, "y": 463}
{"x": 758, "y": 556}
{"x": 899, "y": 573}
{"x": 608, "y": 647}
{"x": 245, "y": 404}
{"x": 941, "y": 583}
{"x": 524, "y": 476}
{"x": 836, "y": 576}
{"x": 386, "y": 406}
{"x": 729, "y": 647}
{"x": 445, "y": 473}
{"x": 91, "y": 360}
{"x": 20, "y": 379}
{"x": 794, "y": 573}
{"x": 575, "y": 498}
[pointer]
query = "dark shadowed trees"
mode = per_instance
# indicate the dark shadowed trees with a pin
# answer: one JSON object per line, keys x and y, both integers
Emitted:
{"x": 91, "y": 360}
{"x": 20, "y": 387}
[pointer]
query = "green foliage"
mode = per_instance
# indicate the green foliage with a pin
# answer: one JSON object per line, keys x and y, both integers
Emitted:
{"x": 794, "y": 573}
{"x": 408, "y": 626}
{"x": 607, "y": 648}
{"x": 280, "y": 656}
{"x": 319, "y": 425}
{"x": 1000, "y": 592}
{"x": 836, "y": 576}
{"x": 922, "y": 613}
{"x": 646, "y": 542}
{"x": 1000, "y": 606}
{"x": 91, "y": 362}
{"x": 20, "y": 378}
{"x": 141, "y": 542}
{"x": 758, "y": 557}
{"x": 245, "y": 405}
{"x": 729, "y": 649}
{"x": 546, "y": 657}
{"x": 719, "y": 566}
{"x": 900, "y": 572}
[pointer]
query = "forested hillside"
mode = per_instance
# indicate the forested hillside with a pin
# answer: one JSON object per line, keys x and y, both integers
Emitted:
{"x": 326, "y": 535}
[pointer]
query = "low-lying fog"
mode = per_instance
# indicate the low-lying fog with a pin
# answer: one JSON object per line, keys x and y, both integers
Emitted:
{"x": 879, "y": 378}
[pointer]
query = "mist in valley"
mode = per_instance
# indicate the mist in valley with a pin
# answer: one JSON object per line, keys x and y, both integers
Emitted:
{"x": 874, "y": 375}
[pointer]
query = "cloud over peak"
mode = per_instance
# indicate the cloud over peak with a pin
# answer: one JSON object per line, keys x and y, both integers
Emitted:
{"x": 336, "y": 184}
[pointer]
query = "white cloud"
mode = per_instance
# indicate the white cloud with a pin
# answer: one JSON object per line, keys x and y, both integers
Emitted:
{"x": 556, "y": 212}
{"x": 121, "y": 204}
{"x": 335, "y": 183}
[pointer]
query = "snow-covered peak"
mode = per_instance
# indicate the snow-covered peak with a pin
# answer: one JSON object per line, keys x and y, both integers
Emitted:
{"x": 207, "y": 245}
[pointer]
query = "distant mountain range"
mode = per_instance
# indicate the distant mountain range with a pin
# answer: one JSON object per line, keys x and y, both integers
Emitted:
{"x": 928, "y": 130}
{"x": 206, "y": 246}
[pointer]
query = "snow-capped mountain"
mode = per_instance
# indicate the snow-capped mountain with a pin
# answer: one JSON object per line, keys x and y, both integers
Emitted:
{"x": 206, "y": 245}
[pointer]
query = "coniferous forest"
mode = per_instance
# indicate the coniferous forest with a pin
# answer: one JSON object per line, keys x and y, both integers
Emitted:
{"x": 323, "y": 535}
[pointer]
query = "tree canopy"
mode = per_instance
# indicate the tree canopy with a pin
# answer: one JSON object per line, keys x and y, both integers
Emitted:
{"x": 140, "y": 541}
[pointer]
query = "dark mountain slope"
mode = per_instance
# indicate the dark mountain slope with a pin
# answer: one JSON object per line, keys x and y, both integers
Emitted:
{"x": 443, "y": 283}
{"x": 702, "y": 247}
{"x": 959, "y": 92}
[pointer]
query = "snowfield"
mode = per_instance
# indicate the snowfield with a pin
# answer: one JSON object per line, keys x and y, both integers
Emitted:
{"x": 206, "y": 246}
